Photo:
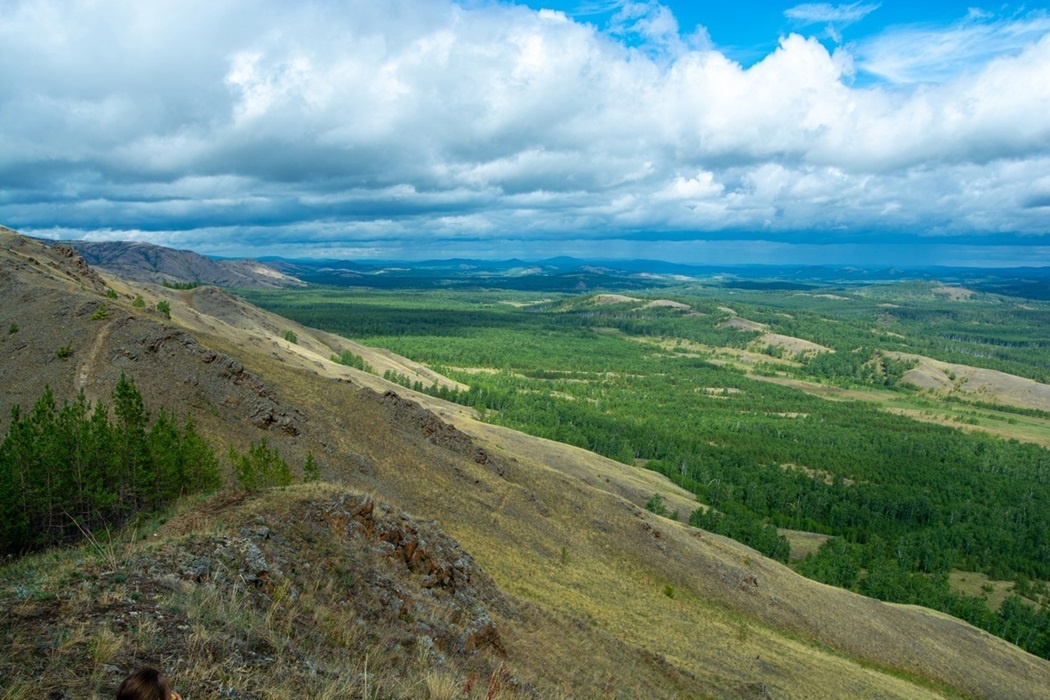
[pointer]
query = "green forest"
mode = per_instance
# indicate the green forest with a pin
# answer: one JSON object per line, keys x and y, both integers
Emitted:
{"x": 77, "y": 470}
{"x": 903, "y": 502}
{"x": 74, "y": 469}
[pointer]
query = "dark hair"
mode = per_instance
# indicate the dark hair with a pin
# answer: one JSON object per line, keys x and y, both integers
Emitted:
{"x": 145, "y": 684}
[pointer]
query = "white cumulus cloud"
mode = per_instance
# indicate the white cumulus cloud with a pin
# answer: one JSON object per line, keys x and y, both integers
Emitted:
{"x": 412, "y": 123}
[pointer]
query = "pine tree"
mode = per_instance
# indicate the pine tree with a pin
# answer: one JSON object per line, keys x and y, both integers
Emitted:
{"x": 262, "y": 467}
{"x": 200, "y": 465}
{"x": 165, "y": 451}
{"x": 132, "y": 448}
{"x": 15, "y": 459}
{"x": 310, "y": 471}
{"x": 69, "y": 470}
{"x": 46, "y": 450}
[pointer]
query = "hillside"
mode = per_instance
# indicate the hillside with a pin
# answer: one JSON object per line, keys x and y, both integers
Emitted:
{"x": 539, "y": 573}
{"x": 975, "y": 383}
{"x": 144, "y": 262}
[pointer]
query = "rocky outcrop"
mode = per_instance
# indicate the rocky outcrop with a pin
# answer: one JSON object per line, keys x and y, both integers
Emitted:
{"x": 72, "y": 264}
{"x": 56, "y": 261}
{"x": 397, "y": 571}
{"x": 411, "y": 415}
{"x": 314, "y": 586}
{"x": 222, "y": 379}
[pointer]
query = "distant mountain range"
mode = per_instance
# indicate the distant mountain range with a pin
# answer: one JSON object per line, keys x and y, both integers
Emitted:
{"x": 144, "y": 262}
{"x": 566, "y": 274}
{"x": 150, "y": 263}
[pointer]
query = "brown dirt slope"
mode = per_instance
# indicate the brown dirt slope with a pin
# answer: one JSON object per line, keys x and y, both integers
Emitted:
{"x": 975, "y": 383}
{"x": 742, "y": 324}
{"x": 789, "y": 343}
{"x": 592, "y": 595}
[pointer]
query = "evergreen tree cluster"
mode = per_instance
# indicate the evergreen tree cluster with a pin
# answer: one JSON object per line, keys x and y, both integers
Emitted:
{"x": 180, "y": 285}
{"x": 75, "y": 468}
{"x": 351, "y": 360}
{"x": 263, "y": 467}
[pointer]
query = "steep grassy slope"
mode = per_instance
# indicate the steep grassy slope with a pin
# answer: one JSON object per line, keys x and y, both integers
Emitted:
{"x": 590, "y": 595}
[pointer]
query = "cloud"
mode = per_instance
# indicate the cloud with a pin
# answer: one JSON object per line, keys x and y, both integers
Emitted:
{"x": 822, "y": 12}
{"x": 423, "y": 125}
{"x": 1037, "y": 201}
{"x": 835, "y": 17}
{"x": 915, "y": 54}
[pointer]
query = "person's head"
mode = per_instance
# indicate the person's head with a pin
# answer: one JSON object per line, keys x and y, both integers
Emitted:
{"x": 146, "y": 684}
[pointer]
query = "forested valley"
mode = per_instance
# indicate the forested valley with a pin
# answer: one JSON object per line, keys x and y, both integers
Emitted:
{"x": 704, "y": 383}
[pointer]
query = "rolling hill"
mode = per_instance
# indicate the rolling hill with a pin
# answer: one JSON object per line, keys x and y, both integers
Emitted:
{"x": 144, "y": 262}
{"x": 439, "y": 557}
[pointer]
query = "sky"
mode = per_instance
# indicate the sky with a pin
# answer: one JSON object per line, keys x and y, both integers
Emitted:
{"x": 884, "y": 133}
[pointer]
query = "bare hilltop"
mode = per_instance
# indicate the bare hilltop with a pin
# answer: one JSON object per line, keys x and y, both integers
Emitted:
{"x": 144, "y": 262}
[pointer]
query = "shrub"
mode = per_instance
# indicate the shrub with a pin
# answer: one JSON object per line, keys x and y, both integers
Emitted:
{"x": 12, "y": 329}
{"x": 65, "y": 351}
{"x": 290, "y": 336}
{"x": 656, "y": 505}
{"x": 111, "y": 294}
{"x": 351, "y": 360}
{"x": 101, "y": 313}
{"x": 139, "y": 301}
{"x": 261, "y": 468}
{"x": 164, "y": 307}
{"x": 310, "y": 470}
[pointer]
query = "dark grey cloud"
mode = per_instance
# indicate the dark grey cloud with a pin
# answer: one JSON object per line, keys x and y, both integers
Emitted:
{"x": 416, "y": 123}
{"x": 1037, "y": 201}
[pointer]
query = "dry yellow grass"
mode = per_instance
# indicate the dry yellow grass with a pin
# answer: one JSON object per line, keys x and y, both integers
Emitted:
{"x": 977, "y": 584}
{"x": 606, "y": 599}
{"x": 604, "y": 299}
{"x": 302, "y": 634}
{"x": 953, "y": 293}
{"x": 976, "y": 383}
{"x": 563, "y": 531}
{"x": 803, "y": 543}
{"x": 743, "y": 324}
{"x": 789, "y": 343}
{"x": 669, "y": 304}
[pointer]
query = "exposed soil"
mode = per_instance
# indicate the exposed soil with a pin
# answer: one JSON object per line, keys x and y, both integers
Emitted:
{"x": 667, "y": 303}
{"x": 603, "y": 299}
{"x": 953, "y": 293}
{"x": 976, "y": 383}
{"x": 742, "y": 324}
{"x": 790, "y": 344}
